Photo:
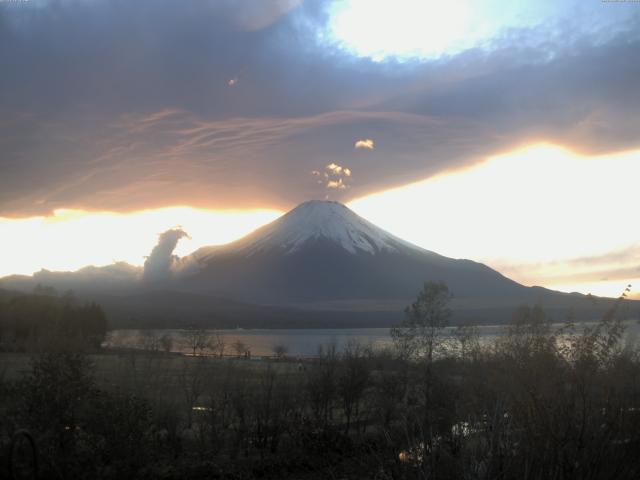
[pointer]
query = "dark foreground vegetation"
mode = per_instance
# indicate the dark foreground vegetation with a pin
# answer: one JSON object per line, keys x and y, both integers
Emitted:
{"x": 540, "y": 403}
{"x": 45, "y": 321}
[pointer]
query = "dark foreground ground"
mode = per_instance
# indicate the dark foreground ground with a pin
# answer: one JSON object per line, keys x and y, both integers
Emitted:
{"x": 532, "y": 405}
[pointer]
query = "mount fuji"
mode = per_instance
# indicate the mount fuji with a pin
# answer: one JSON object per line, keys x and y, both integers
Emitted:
{"x": 318, "y": 265}
{"x": 321, "y": 252}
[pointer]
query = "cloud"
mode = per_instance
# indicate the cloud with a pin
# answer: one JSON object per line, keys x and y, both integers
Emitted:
{"x": 621, "y": 265}
{"x": 366, "y": 144}
{"x": 338, "y": 170}
{"x": 630, "y": 253}
{"x": 336, "y": 176}
{"x": 161, "y": 262}
{"x": 254, "y": 15}
{"x": 336, "y": 184}
{"x": 128, "y": 106}
{"x": 334, "y": 168}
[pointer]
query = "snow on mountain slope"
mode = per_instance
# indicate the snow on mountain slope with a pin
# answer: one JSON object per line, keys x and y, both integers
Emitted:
{"x": 327, "y": 220}
{"x": 314, "y": 220}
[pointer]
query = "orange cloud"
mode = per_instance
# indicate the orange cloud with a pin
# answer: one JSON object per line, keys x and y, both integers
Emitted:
{"x": 335, "y": 168}
{"x": 336, "y": 176}
{"x": 337, "y": 184}
{"x": 366, "y": 143}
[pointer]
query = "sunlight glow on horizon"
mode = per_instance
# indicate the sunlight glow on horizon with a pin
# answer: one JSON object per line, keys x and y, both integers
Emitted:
{"x": 72, "y": 239}
{"x": 522, "y": 213}
{"x": 605, "y": 288}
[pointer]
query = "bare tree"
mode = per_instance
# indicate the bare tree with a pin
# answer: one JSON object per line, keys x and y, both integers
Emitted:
{"x": 320, "y": 387}
{"x": 166, "y": 343}
{"x": 467, "y": 339}
{"x": 240, "y": 348}
{"x": 352, "y": 382}
{"x": 219, "y": 388}
{"x": 197, "y": 340}
{"x": 192, "y": 382}
{"x": 217, "y": 344}
{"x": 280, "y": 351}
{"x": 420, "y": 334}
{"x": 420, "y": 337}
{"x": 149, "y": 341}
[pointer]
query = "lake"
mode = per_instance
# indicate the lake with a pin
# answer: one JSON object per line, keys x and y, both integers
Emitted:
{"x": 297, "y": 342}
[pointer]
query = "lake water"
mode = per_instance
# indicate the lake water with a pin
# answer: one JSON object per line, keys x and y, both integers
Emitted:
{"x": 297, "y": 342}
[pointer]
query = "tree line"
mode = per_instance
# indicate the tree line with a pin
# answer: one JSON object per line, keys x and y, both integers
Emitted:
{"x": 44, "y": 320}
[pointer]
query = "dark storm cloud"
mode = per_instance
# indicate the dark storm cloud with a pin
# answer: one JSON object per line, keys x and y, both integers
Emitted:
{"x": 125, "y": 105}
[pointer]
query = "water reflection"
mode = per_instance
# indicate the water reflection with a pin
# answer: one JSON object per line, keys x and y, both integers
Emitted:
{"x": 296, "y": 342}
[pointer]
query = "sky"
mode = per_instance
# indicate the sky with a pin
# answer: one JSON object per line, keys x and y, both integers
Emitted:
{"x": 502, "y": 132}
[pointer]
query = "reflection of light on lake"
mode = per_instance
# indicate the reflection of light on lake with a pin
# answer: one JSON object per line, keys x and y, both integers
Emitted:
{"x": 261, "y": 342}
{"x": 305, "y": 342}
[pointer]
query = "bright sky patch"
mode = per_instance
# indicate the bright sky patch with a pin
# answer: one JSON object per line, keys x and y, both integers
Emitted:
{"x": 421, "y": 29}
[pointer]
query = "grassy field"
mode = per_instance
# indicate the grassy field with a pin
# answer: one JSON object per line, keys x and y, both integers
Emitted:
{"x": 160, "y": 375}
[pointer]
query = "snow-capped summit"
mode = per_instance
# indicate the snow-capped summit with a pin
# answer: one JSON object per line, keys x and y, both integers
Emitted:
{"x": 318, "y": 220}
{"x": 311, "y": 222}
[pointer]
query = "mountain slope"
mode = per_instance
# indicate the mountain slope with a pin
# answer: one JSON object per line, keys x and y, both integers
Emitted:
{"x": 322, "y": 251}
{"x": 313, "y": 221}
